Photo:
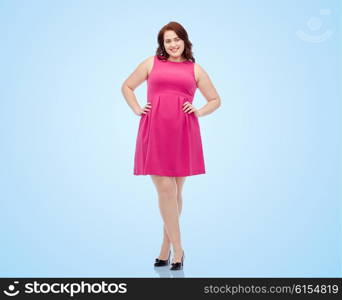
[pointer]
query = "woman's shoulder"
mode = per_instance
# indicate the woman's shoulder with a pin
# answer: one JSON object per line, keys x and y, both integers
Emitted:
{"x": 149, "y": 63}
{"x": 199, "y": 69}
{"x": 148, "y": 60}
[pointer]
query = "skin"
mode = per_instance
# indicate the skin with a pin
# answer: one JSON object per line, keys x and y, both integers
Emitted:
{"x": 170, "y": 204}
{"x": 169, "y": 189}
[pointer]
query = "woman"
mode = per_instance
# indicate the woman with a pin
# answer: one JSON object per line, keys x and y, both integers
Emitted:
{"x": 168, "y": 145}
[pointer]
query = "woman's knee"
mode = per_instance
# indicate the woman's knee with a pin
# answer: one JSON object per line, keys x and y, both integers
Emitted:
{"x": 165, "y": 185}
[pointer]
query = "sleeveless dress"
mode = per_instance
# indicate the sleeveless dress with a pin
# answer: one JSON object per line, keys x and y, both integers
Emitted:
{"x": 169, "y": 141}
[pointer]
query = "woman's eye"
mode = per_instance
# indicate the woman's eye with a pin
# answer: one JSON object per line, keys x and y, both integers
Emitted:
{"x": 177, "y": 40}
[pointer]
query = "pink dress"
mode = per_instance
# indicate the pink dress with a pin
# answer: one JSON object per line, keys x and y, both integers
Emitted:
{"x": 169, "y": 140}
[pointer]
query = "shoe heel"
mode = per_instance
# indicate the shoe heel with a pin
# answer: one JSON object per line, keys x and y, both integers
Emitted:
{"x": 178, "y": 265}
{"x": 162, "y": 263}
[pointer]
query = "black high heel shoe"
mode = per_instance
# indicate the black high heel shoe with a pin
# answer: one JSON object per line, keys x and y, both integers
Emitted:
{"x": 162, "y": 262}
{"x": 178, "y": 265}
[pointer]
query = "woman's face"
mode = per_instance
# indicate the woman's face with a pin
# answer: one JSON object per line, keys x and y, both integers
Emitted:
{"x": 173, "y": 45}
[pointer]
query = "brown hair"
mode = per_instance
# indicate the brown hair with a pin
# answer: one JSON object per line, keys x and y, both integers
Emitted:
{"x": 181, "y": 33}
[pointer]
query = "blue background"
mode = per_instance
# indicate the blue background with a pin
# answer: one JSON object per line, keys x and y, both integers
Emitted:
{"x": 270, "y": 202}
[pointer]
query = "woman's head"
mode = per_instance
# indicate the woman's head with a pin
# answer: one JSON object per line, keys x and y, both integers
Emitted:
{"x": 173, "y": 41}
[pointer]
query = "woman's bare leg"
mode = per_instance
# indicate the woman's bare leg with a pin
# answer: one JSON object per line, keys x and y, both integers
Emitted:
{"x": 166, "y": 240}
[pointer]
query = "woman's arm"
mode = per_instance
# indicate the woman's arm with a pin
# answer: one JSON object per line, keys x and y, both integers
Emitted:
{"x": 138, "y": 76}
{"x": 208, "y": 90}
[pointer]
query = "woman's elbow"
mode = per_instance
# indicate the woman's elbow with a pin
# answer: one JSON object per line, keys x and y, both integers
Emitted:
{"x": 218, "y": 102}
